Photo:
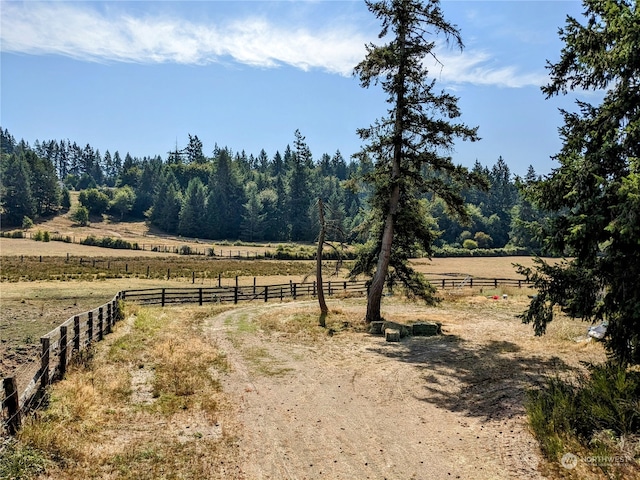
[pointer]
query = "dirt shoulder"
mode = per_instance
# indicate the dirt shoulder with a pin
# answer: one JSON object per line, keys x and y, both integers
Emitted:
{"x": 353, "y": 406}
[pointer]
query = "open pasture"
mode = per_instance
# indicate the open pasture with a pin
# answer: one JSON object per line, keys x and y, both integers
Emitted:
{"x": 37, "y": 295}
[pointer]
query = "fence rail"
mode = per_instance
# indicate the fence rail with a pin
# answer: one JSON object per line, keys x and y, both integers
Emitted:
{"x": 80, "y": 331}
{"x": 57, "y": 349}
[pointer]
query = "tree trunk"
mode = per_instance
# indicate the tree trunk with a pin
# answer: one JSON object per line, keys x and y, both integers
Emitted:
{"x": 321, "y": 301}
{"x": 377, "y": 283}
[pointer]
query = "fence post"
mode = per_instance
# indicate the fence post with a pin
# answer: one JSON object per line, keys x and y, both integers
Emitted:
{"x": 471, "y": 282}
{"x": 329, "y": 287}
{"x": 100, "y": 325}
{"x": 495, "y": 283}
{"x": 76, "y": 333}
{"x": 345, "y": 286}
{"x": 294, "y": 291}
{"x": 11, "y": 403}
{"x": 314, "y": 288}
{"x": 162, "y": 297}
{"x": 266, "y": 292}
{"x": 519, "y": 283}
{"x": 235, "y": 293}
{"x": 168, "y": 273}
{"x": 443, "y": 283}
{"x": 90, "y": 327}
{"x": 63, "y": 351}
{"x": 254, "y": 285}
{"x": 110, "y": 321}
{"x": 147, "y": 271}
{"x": 219, "y": 281}
{"x": 280, "y": 293}
{"x": 193, "y": 277}
{"x": 200, "y": 296}
{"x": 44, "y": 362}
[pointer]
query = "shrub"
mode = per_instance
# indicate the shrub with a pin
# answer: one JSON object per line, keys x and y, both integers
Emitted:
{"x": 483, "y": 240}
{"x": 107, "y": 242}
{"x": 94, "y": 200}
{"x": 469, "y": 244}
{"x": 46, "y": 236}
{"x": 185, "y": 250}
{"x": 38, "y": 236}
{"x": 27, "y": 223}
{"x": 562, "y": 413}
{"x": 81, "y": 215}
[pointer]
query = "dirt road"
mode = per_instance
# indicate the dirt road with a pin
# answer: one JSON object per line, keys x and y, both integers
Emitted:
{"x": 352, "y": 406}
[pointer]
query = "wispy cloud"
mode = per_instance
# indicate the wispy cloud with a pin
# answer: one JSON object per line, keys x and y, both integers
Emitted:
{"x": 480, "y": 68}
{"x": 81, "y": 31}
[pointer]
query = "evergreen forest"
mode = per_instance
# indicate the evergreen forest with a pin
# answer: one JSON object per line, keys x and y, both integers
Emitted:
{"x": 234, "y": 196}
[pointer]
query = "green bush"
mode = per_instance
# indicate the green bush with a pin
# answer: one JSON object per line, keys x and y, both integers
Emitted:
{"x": 81, "y": 215}
{"x": 108, "y": 242}
{"x": 562, "y": 413}
{"x": 46, "y": 236}
{"x": 27, "y": 223}
{"x": 469, "y": 244}
{"x": 38, "y": 236}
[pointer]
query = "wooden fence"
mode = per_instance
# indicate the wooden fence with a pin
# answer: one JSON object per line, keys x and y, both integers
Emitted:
{"x": 81, "y": 331}
{"x": 235, "y": 294}
{"x": 58, "y": 347}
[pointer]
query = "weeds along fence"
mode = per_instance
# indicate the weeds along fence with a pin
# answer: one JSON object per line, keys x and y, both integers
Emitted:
{"x": 78, "y": 333}
{"x": 59, "y": 347}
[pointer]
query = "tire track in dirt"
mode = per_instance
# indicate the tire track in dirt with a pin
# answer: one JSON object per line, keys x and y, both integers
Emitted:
{"x": 346, "y": 408}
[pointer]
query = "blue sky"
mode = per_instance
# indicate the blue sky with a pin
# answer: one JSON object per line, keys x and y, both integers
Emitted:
{"x": 140, "y": 76}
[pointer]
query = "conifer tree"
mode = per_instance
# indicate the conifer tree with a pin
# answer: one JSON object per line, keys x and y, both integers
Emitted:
{"x": 16, "y": 198}
{"x": 193, "y": 211}
{"x": 410, "y": 146}
{"x": 595, "y": 193}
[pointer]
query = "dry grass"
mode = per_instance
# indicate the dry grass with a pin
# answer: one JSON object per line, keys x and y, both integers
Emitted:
{"x": 94, "y": 429}
{"x": 486, "y": 267}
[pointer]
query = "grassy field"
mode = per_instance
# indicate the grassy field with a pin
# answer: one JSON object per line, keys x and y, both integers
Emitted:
{"x": 43, "y": 284}
{"x": 176, "y": 422}
{"x": 148, "y": 402}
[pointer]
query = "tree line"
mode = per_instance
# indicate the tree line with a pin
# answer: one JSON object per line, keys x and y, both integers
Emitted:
{"x": 253, "y": 198}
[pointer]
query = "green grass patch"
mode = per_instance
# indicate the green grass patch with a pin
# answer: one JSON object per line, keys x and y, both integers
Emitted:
{"x": 596, "y": 415}
{"x": 19, "y": 461}
{"x": 263, "y": 363}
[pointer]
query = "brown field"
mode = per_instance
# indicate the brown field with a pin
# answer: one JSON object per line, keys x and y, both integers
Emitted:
{"x": 275, "y": 396}
{"x": 31, "y": 307}
{"x": 288, "y": 384}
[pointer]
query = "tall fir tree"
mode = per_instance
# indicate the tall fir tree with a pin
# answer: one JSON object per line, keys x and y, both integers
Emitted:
{"x": 193, "y": 211}
{"x": 298, "y": 192}
{"x": 410, "y": 146}
{"x": 16, "y": 198}
{"x": 226, "y": 199}
{"x": 595, "y": 193}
